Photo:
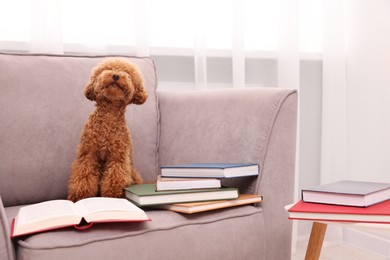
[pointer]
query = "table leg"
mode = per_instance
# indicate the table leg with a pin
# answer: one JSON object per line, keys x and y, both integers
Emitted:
{"x": 316, "y": 239}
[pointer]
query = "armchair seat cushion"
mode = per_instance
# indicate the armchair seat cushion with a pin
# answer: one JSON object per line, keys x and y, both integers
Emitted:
{"x": 199, "y": 235}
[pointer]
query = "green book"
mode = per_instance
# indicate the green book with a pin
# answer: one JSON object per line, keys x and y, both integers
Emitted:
{"x": 146, "y": 195}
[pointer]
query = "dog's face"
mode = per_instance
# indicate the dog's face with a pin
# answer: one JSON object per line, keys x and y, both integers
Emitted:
{"x": 116, "y": 81}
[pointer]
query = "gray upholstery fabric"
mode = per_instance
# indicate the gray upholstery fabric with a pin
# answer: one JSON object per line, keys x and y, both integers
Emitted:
{"x": 6, "y": 246}
{"x": 244, "y": 125}
{"x": 235, "y": 233}
{"x": 230, "y": 125}
{"x": 277, "y": 180}
{"x": 42, "y": 112}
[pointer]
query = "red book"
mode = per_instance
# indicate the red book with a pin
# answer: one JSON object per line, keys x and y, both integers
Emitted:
{"x": 378, "y": 213}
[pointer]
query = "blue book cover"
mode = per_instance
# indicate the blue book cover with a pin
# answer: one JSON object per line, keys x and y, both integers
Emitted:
{"x": 211, "y": 170}
{"x": 211, "y": 165}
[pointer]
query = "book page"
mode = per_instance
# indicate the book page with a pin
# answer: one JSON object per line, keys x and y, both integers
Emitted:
{"x": 45, "y": 215}
{"x": 105, "y": 204}
{"x": 46, "y": 210}
{"x": 98, "y": 209}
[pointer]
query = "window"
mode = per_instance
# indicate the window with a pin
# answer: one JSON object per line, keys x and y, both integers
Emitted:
{"x": 167, "y": 24}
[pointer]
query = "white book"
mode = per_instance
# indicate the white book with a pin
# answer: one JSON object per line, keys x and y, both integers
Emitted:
{"x": 168, "y": 183}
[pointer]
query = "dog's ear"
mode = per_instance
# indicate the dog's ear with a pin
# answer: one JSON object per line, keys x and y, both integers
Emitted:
{"x": 140, "y": 95}
{"x": 89, "y": 91}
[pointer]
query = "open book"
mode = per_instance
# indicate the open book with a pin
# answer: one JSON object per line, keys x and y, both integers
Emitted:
{"x": 56, "y": 214}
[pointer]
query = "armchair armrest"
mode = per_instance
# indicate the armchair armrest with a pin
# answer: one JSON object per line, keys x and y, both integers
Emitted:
{"x": 256, "y": 125}
{"x": 6, "y": 246}
{"x": 231, "y": 126}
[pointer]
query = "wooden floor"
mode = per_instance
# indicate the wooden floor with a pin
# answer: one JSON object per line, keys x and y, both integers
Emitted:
{"x": 338, "y": 252}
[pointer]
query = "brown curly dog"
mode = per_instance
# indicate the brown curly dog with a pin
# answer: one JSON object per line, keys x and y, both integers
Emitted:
{"x": 104, "y": 161}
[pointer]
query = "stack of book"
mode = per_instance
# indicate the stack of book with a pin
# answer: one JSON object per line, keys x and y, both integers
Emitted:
{"x": 344, "y": 201}
{"x": 194, "y": 188}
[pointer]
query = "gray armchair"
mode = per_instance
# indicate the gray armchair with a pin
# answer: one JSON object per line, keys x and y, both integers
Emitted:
{"x": 42, "y": 111}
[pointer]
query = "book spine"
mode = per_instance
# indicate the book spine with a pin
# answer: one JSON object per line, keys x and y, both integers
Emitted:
{"x": 340, "y": 220}
{"x": 12, "y": 228}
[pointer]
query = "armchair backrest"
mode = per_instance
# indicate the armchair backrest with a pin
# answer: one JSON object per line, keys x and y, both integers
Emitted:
{"x": 42, "y": 112}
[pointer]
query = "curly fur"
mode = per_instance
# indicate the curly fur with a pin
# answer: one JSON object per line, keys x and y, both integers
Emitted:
{"x": 104, "y": 162}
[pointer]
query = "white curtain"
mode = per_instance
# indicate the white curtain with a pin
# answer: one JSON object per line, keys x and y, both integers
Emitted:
{"x": 334, "y": 117}
{"x": 200, "y": 56}
{"x": 355, "y": 141}
{"x": 234, "y": 29}
{"x": 46, "y": 34}
{"x": 368, "y": 104}
{"x": 356, "y": 91}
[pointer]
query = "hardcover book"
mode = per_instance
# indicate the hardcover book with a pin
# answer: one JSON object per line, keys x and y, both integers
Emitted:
{"x": 146, "y": 195}
{"x": 168, "y": 183}
{"x": 350, "y": 193}
{"x": 196, "y": 207}
{"x": 57, "y": 214}
{"x": 378, "y": 213}
{"x": 211, "y": 170}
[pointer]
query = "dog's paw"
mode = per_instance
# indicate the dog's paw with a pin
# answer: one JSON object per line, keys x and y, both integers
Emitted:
{"x": 76, "y": 197}
{"x": 112, "y": 192}
{"x": 113, "y": 188}
{"x": 79, "y": 194}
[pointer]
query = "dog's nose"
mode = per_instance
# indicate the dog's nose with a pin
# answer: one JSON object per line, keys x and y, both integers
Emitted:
{"x": 115, "y": 77}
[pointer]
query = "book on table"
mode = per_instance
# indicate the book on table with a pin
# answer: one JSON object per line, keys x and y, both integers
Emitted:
{"x": 378, "y": 213}
{"x": 349, "y": 193}
{"x": 55, "y": 214}
{"x": 196, "y": 207}
{"x": 146, "y": 195}
{"x": 211, "y": 170}
{"x": 171, "y": 183}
